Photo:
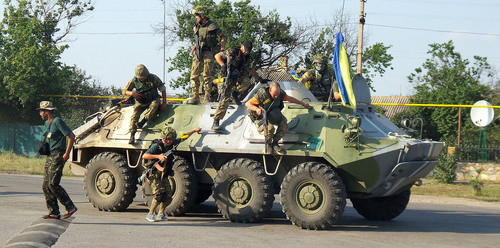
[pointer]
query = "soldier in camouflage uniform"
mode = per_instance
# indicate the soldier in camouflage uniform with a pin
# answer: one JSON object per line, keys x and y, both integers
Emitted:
{"x": 56, "y": 134}
{"x": 239, "y": 76}
{"x": 271, "y": 99}
{"x": 160, "y": 183}
{"x": 206, "y": 33}
{"x": 146, "y": 96}
{"x": 319, "y": 80}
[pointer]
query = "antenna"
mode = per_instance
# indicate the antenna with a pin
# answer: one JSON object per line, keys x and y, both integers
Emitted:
{"x": 482, "y": 117}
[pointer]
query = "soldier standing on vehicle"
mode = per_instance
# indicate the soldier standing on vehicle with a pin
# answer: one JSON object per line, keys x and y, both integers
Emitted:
{"x": 206, "y": 33}
{"x": 146, "y": 96}
{"x": 235, "y": 65}
{"x": 271, "y": 99}
{"x": 319, "y": 80}
{"x": 56, "y": 134}
{"x": 156, "y": 157}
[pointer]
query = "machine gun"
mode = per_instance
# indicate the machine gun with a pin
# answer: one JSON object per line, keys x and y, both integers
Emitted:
{"x": 120, "y": 104}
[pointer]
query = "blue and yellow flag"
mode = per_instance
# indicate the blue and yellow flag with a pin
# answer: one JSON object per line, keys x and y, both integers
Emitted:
{"x": 342, "y": 74}
{"x": 294, "y": 74}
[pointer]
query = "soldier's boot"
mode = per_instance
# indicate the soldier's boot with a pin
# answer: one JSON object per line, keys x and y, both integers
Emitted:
{"x": 278, "y": 149}
{"x": 206, "y": 98}
{"x": 269, "y": 146}
{"x": 132, "y": 138}
{"x": 236, "y": 98}
{"x": 216, "y": 125}
{"x": 141, "y": 123}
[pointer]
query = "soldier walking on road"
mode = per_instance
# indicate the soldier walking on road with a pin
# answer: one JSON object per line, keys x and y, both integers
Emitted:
{"x": 146, "y": 96}
{"x": 160, "y": 183}
{"x": 206, "y": 33}
{"x": 56, "y": 134}
{"x": 271, "y": 99}
{"x": 236, "y": 66}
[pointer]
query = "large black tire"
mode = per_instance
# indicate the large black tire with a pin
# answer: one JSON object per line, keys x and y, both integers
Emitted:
{"x": 184, "y": 188}
{"x": 382, "y": 208}
{"x": 242, "y": 191}
{"x": 204, "y": 192}
{"x": 313, "y": 196}
{"x": 109, "y": 183}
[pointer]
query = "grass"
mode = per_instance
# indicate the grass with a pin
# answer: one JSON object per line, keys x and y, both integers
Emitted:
{"x": 13, "y": 163}
{"x": 18, "y": 164}
{"x": 490, "y": 191}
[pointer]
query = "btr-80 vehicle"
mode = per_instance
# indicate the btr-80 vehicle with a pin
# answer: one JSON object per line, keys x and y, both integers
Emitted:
{"x": 332, "y": 153}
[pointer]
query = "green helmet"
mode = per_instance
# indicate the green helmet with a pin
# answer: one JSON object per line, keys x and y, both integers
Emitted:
{"x": 200, "y": 10}
{"x": 319, "y": 58}
{"x": 168, "y": 133}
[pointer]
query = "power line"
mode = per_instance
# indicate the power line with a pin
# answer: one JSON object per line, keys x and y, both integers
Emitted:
{"x": 433, "y": 30}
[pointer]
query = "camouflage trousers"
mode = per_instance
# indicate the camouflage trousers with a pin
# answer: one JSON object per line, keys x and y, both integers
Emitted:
{"x": 273, "y": 136}
{"x": 203, "y": 65}
{"x": 51, "y": 179}
{"x": 138, "y": 110}
{"x": 161, "y": 185}
{"x": 241, "y": 87}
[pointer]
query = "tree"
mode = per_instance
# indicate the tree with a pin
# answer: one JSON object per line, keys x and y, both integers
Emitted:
{"x": 30, "y": 64}
{"x": 271, "y": 36}
{"x": 447, "y": 78}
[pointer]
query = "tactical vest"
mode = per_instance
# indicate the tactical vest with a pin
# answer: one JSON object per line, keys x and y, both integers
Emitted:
{"x": 320, "y": 83}
{"x": 206, "y": 35}
{"x": 241, "y": 63}
{"x": 267, "y": 102}
{"x": 150, "y": 95}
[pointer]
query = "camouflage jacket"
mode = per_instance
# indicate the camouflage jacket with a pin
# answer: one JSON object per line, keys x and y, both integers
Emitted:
{"x": 238, "y": 60}
{"x": 318, "y": 83}
{"x": 150, "y": 95}
{"x": 206, "y": 35}
{"x": 267, "y": 102}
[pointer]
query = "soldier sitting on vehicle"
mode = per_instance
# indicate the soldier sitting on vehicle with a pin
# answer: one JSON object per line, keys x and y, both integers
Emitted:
{"x": 271, "y": 99}
{"x": 161, "y": 165}
{"x": 236, "y": 66}
{"x": 319, "y": 80}
{"x": 146, "y": 96}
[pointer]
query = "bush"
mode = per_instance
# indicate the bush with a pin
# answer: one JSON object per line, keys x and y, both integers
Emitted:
{"x": 445, "y": 171}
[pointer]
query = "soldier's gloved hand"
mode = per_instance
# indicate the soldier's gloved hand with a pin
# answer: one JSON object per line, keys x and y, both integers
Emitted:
{"x": 223, "y": 70}
{"x": 263, "y": 81}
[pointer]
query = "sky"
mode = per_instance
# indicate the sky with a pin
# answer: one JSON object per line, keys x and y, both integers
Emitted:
{"x": 118, "y": 35}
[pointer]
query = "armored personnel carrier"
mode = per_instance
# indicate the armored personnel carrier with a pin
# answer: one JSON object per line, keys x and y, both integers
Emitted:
{"x": 332, "y": 153}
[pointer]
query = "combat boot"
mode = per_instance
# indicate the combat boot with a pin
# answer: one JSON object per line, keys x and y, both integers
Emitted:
{"x": 236, "y": 98}
{"x": 141, "y": 123}
{"x": 278, "y": 149}
{"x": 216, "y": 125}
{"x": 132, "y": 138}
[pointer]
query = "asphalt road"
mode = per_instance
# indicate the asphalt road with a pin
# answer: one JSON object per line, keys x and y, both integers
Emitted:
{"x": 427, "y": 222}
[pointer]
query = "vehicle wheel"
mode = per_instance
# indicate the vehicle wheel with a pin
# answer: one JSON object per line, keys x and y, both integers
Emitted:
{"x": 204, "y": 192}
{"x": 313, "y": 196}
{"x": 184, "y": 188}
{"x": 109, "y": 183}
{"x": 382, "y": 208}
{"x": 242, "y": 191}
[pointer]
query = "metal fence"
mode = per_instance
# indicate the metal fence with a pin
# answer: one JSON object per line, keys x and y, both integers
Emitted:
{"x": 21, "y": 139}
{"x": 478, "y": 154}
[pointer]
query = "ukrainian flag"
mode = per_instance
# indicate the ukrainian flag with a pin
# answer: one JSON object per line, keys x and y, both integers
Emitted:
{"x": 294, "y": 75}
{"x": 342, "y": 74}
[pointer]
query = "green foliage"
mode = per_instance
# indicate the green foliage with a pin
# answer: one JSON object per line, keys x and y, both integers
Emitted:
{"x": 447, "y": 78}
{"x": 476, "y": 183}
{"x": 445, "y": 171}
{"x": 376, "y": 60}
{"x": 30, "y": 55}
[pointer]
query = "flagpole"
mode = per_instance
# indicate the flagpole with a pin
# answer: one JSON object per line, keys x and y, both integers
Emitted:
{"x": 360, "y": 34}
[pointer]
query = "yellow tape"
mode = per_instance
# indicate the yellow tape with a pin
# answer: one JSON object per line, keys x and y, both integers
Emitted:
{"x": 118, "y": 97}
{"x": 435, "y": 105}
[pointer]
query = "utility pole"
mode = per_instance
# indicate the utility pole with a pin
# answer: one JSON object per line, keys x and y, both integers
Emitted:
{"x": 360, "y": 34}
{"x": 164, "y": 38}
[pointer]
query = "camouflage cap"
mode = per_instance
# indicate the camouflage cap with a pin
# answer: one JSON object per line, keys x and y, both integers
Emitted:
{"x": 200, "y": 10}
{"x": 46, "y": 105}
{"x": 319, "y": 58}
{"x": 141, "y": 71}
{"x": 168, "y": 133}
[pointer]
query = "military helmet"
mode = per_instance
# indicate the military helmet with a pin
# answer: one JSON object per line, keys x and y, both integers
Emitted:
{"x": 168, "y": 133}
{"x": 141, "y": 71}
{"x": 274, "y": 116}
{"x": 200, "y": 10}
{"x": 319, "y": 58}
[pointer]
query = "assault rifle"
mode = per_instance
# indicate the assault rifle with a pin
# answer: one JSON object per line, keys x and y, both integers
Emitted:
{"x": 266, "y": 134}
{"x": 131, "y": 97}
{"x": 156, "y": 166}
{"x": 223, "y": 89}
